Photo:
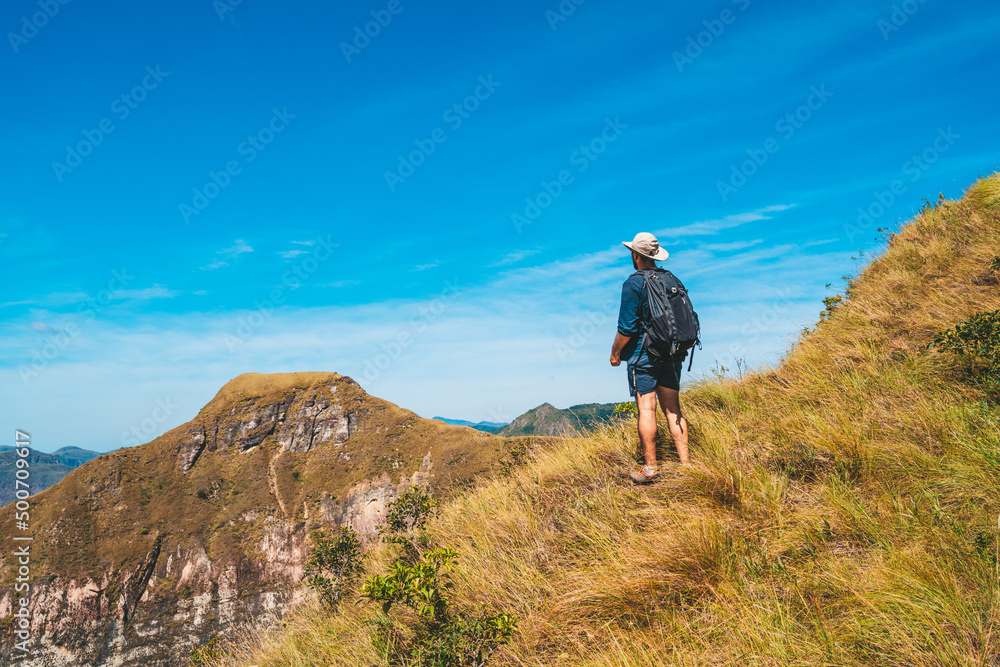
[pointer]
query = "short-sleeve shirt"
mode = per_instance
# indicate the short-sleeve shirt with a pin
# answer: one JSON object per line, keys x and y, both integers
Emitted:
{"x": 633, "y": 315}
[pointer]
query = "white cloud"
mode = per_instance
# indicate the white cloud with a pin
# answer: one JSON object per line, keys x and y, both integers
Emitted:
{"x": 514, "y": 257}
{"x": 423, "y": 267}
{"x": 712, "y": 227}
{"x": 229, "y": 254}
{"x": 729, "y": 247}
{"x": 154, "y": 292}
{"x": 340, "y": 283}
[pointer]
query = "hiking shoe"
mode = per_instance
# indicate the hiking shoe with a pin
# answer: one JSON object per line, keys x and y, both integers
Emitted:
{"x": 641, "y": 477}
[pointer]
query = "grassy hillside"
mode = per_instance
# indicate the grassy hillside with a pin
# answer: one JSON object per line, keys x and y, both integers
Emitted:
{"x": 842, "y": 509}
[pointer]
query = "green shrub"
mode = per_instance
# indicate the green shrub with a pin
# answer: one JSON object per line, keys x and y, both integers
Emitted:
{"x": 406, "y": 516}
{"x": 334, "y": 565}
{"x": 517, "y": 454}
{"x": 441, "y": 638}
{"x": 207, "y": 654}
{"x": 977, "y": 342}
{"x": 626, "y": 409}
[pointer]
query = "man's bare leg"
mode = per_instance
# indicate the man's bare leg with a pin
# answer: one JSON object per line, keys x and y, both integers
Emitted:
{"x": 670, "y": 402}
{"x": 647, "y": 426}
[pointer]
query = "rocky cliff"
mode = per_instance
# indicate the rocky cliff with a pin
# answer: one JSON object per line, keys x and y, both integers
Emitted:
{"x": 147, "y": 552}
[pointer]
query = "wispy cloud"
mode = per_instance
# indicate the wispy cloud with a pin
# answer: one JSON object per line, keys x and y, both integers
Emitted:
{"x": 514, "y": 257}
{"x": 730, "y": 247}
{"x": 227, "y": 255}
{"x": 711, "y": 227}
{"x": 145, "y": 294}
{"x": 423, "y": 267}
{"x": 292, "y": 254}
{"x": 340, "y": 283}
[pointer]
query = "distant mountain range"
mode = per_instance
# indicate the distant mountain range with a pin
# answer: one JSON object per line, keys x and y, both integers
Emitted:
{"x": 485, "y": 427}
{"x": 44, "y": 469}
{"x": 549, "y": 420}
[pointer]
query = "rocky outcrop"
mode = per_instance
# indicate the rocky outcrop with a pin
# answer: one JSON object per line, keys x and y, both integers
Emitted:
{"x": 145, "y": 553}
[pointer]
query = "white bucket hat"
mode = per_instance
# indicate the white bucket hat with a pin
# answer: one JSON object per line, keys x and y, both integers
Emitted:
{"x": 646, "y": 245}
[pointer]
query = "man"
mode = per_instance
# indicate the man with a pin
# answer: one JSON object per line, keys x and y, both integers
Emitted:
{"x": 649, "y": 379}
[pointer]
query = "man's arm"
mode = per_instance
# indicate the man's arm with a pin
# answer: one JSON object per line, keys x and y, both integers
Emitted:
{"x": 628, "y": 320}
{"x": 616, "y": 349}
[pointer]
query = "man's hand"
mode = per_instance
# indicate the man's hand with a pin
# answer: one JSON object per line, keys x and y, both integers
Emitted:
{"x": 617, "y": 347}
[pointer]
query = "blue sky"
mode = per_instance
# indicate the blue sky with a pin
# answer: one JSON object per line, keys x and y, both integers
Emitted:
{"x": 195, "y": 190}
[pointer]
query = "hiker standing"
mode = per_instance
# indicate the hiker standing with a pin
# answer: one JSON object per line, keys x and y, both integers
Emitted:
{"x": 656, "y": 328}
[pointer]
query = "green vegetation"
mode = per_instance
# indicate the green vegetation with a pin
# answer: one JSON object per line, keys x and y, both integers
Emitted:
{"x": 334, "y": 565}
{"x": 439, "y": 637}
{"x": 977, "y": 342}
{"x": 205, "y": 655}
{"x": 433, "y": 635}
{"x": 841, "y": 509}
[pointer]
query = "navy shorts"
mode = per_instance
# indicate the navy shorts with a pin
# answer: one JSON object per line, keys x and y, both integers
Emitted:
{"x": 645, "y": 375}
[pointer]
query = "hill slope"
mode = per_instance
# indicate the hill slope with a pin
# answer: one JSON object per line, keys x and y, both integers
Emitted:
{"x": 146, "y": 551}
{"x": 549, "y": 420}
{"x": 485, "y": 427}
{"x": 841, "y": 508}
{"x": 46, "y": 469}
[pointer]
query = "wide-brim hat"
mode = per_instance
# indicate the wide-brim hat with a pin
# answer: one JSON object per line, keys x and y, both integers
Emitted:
{"x": 646, "y": 245}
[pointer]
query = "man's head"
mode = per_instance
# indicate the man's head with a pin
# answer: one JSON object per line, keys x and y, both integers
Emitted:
{"x": 646, "y": 250}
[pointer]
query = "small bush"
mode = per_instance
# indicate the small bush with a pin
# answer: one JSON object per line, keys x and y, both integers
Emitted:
{"x": 831, "y": 303}
{"x": 516, "y": 456}
{"x": 440, "y": 638}
{"x": 977, "y": 342}
{"x": 334, "y": 565}
{"x": 207, "y": 654}
{"x": 626, "y": 409}
{"x": 407, "y": 515}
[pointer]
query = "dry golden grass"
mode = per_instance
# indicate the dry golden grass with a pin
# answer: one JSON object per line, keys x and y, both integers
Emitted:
{"x": 842, "y": 508}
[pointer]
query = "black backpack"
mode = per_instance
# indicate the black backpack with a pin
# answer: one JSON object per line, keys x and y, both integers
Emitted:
{"x": 674, "y": 328}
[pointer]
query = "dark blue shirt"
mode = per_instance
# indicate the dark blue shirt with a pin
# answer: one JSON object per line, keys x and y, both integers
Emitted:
{"x": 633, "y": 315}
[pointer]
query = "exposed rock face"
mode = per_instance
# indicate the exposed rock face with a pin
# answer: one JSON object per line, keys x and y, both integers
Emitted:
{"x": 143, "y": 554}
